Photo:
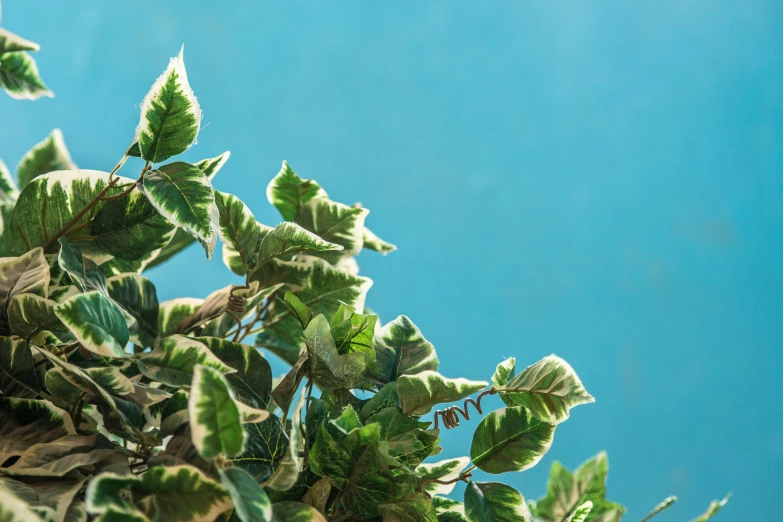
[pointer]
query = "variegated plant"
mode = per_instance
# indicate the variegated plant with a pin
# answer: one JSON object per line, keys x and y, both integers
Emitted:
{"x": 116, "y": 407}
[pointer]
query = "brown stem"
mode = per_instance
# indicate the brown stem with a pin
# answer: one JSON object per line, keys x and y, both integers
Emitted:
{"x": 450, "y": 415}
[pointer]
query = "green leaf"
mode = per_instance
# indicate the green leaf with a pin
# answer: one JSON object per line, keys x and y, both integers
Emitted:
{"x": 420, "y": 392}
{"x": 401, "y": 349}
{"x": 183, "y": 195}
{"x": 28, "y": 273}
{"x": 445, "y": 471}
{"x": 179, "y": 241}
{"x": 567, "y": 491}
{"x": 289, "y": 238}
{"x": 329, "y": 369}
{"x": 664, "y": 504}
{"x": 50, "y": 202}
{"x": 335, "y": 223}
{"x": 295, "y": 512}
{"x": 495, "y": 502}
{"x": 83, "y": 271}
{"x": 348, "y": 421}
{"x": 549, "y": 389}
{"x": 18, "y": 377}
{"x": 49, "y": 155}
{"x": 288, "y": 192}
{"x": 215, "y": 421}
{"x": 284, "y": 392}
{"x": 173, "y": 361}
{"x": 252, "y": 380}
{"x": 30, "y": 315}
{"x": 178, "y": 493}
{"x": 9, "y": 42}
{"x": 266, "y": 446}
{"x": 173, "y": 311}
{"x": 504, "y": 372}
{"x": 136, "y": 295}
{"x": 510, "y": 439}
{"x": 299, "y": 309}
{"x": 581, "y": 513}
{"x": 170, "y": 115}
{"x": 8, "y": 189}
{"x": 287, "y": 472}
{"x": 19, "y": 77}
{"x": 239, "y": 232}
{"x": 130, "y": 227}
{"x": 373, "y": 242}
{"x": 354, "y": 332}
{"x": 212, "y": 166}
{"x": 96, "y": 322}
{"x": 713, "y": 509}
{"x": 250, "y": 501}
{"x": 14, "y": 509}
{"x": 409, "y": 509}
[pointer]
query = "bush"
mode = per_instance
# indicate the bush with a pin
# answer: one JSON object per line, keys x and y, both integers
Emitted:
{"x": 116, "y": 407}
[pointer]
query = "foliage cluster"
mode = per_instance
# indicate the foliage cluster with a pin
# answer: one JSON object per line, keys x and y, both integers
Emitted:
{"x": 117, "y": 407}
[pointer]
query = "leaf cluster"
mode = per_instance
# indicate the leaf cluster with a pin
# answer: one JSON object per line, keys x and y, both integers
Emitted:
{"x": 117, "y": 407}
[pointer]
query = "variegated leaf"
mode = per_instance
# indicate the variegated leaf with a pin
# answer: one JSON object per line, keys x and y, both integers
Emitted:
{"x": 295, "y": 512}
{"x": 18, "y": 377}
{"x": 83, "y": 271}
{"x": 9, "y": 42}
{"x": 239, "y": 232}
{"x": 211, "y": 166}
{"x": 400, "y": 349}
{"x": 373, "y": 242}
{"x": 335, "y": 223}
{"x": 50, "y": 202}
{"x": 444, "y": 471}
{"x": 581, "y": 513}
{"x": 288, "y": 192}
{"x": 250, "y": 500}
{"x": 510, "y": 439}
{"x": 170, "y": 115}
{"x": 215, "y": 420}
{"x": 96, "y": 322}
{"x": 174, "y": 358}
{"x": 548, "y": 388}
{"x": 173, "y": 311}
{"x": 130, "y": 227}
{"x": 289, "y": 238}
{"x": 30, "y": 315}
{"x": 136, "y": 295}
{"x": 287, "y": 472}
{"x": 504, "y": 372}
{"x": 183, "y": 195}
{"x": 495, "y": 502}
{"x": 8, "y": 189}
{"x": 420, "y": 392}
{"x": 19, "y": 77}
{"x": 49, "y": 155}
{"x": 28, "y": 273}
{"x": 14, "y": 509}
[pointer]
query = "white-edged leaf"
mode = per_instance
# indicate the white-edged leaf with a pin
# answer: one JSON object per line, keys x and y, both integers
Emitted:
{"x": 19, "y": 77}
{"x": 183, "y": 195}
{"x": 96, "y": 322}
{"x": 50, "y": 202}
{"x": 49, "y": 155}
{"x": 444, "y": 471}
{"x": 28, "y": 273}
{"x": 290, "y": 238}
{"x": 82, "y": 270}
{"x": 215, "y": 420}
{"x": 211, "y": 166}
{"x": 14, "y": 509}
{"x": 548, "y": 388}
{"x": 420, "y": 392}
{"x": 288, "y": 192}
{"x": 239, "y": 233}
{"x": 250, "y": 500}
{"x": 31, "y": 314}
{"x": 137, "y": 296}
{"x": 170, "y": 115}
{"x": 8, "y": 189}
{"x": 173, "y": 311}
{"x": 373, "y": 242}
{"x": 400, "y": 349}
{"x": 495, "y": 502}
{"x": 335, "y": 223}
{"x": 173, "y": 361}
{"x": 295, "y": 512}
{"x": 713, "y": 509}
{"x": 10, "y": 42}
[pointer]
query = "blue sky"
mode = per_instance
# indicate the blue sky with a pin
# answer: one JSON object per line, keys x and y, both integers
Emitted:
{"x": 601, "y": 180}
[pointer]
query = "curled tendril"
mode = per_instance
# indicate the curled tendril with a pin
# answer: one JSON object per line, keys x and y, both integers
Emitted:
{"x": 451, "y": 415}
{"x": 235, "y": 307}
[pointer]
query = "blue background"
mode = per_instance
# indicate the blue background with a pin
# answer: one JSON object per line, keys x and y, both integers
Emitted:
{"x": 602, "y": 180}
